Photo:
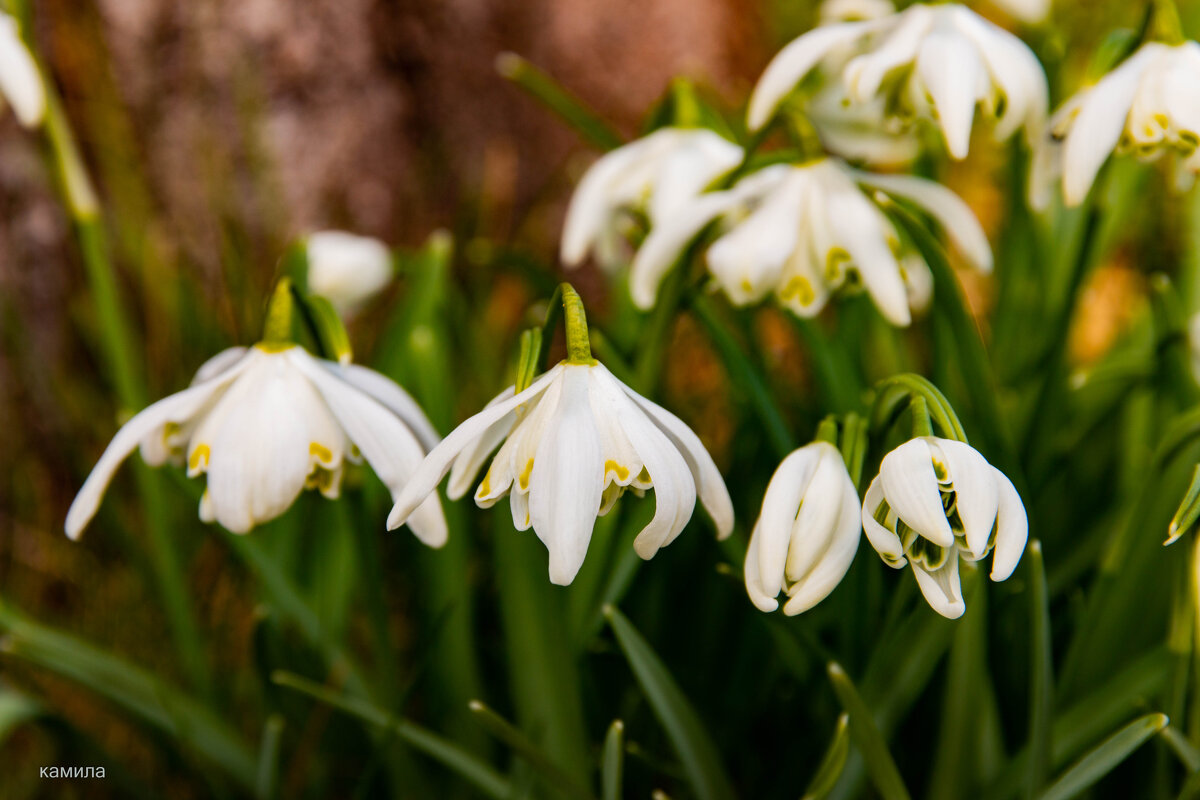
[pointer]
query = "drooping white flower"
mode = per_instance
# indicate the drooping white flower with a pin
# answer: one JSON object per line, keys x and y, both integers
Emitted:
{"x": 807, "y": 533}
{"x": 20, "y": 81}
{"x": 936, "y": 501}
{"x": 266, "y": 422}
{"x": 804, "y": 231}
{"x": 861, "y": 132}
{"x": 653, "y": 175}
{"x": 936, "y": 62}
{"x": 1147, "y": 106}
{"x": 573, "y": 442}
{"x": 347, "y": 269}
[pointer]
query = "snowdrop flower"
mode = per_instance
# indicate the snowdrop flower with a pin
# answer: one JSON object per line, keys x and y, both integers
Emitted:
{"x": 801, "y": 232}
{"x": 573, "y": 442}
{"x": 936, "y": 501}
{"x": 264, "y": 423}
{"x": 861, "y": 131}
{"x": 807, "y": 533}
{"x": 1147, "y": 106}
{"x": 20, "y": 81}
{"x": 935, "y": 62}
{"x": 654, "y": 175}
{"x": 346, "y": 269}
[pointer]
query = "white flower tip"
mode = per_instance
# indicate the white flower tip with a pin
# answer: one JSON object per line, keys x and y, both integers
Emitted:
{"x": 397, "y": 517}
{"x": 952, "y": 610}
{"x": 1173, "y": 534}
{"x": 766, "y": 604}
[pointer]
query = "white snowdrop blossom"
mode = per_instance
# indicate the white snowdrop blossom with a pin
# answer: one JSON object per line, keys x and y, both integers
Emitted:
{"x": 266, "y": 422}
{"x": 20, "y": 81}
{"x": 573, "y": 442}
{"x": 933, "y": 62}
{"x": 807, "y": 533}
{"x": 347, "y": 269}
{"x": 1147, "y": 106}
{"x": 861, "y": 132}
{"x": 654, "y": 176}
{"x": 801, "y": 232}
{"x": 936, "y": 501}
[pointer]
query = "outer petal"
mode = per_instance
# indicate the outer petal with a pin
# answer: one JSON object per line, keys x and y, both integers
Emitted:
{"x": 792, "y": 63}
{"x": 815, "y": 526}
{"x": 911, "y": 488}
{"x": 976, "y": 491}
{"x": 710, "y": 486}
{"x": 865, "y": 74}
{"x": 1098, "y": 124}
{"x": 754, "y": 587}
{"x": 391, "y": 394}
{"x": 347, "y": 269}
{"x": 20, "y": 81}
{"x": 885, "y": 542}
{"x": 781, "y": 504}
{"x": 593, "y": 202}
{"x": 1012, "y": 529}
{"x": 178, "y": 407}
{"x": 218, "y": 364}
{"x": 387, "y": 444}
{"x": 836, "y": 561}
{"x": 950, "y": 69}
{"x": 470, "y": 460}
{"x": 942, "y": 588}
{"x": 1014, "y": 68}
{"x": 697, "y": 158}
{"x": 435, "y": 466}
{"x": 567, "y": 479}
{"x": 952, "y": 214}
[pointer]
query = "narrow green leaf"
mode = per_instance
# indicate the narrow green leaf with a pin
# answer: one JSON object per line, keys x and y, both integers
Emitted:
{"x": 695, "y": 749}
{"x": 1041, "y": 672}
{"x": 833, "y": 763}
{"x": 555, "y": 778}
{"x": 1188, "y": 512}
{"x": 1108, "y": 754}
{"x": 1187, "y": 752}
{"x": 327, "y": 327}
{"x": 613, "y": 764}
{"x": 266, "y": 785}
{"x": 425, "y": 741}
{"x": 549, "y": 93}
{"x": 880, "y": 765}
{"x": 140, "y": 693}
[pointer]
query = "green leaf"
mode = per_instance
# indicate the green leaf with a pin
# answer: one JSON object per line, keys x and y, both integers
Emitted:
{"x": 15, "y": 710}
{"x": 266, "y": 784}
{"x": 880, "y": 765}
{"x": 613, "y": 763}
{"x": 833, "y": 763}
{"x": 555, "y": 778}
{"x": 1187, "y": 752}
{"x": 425, "y": 741}
{"x": 1108, "y": 754}
{"x": 1041, "y": 672}
{"x": 695, "y": 749}
{"x": 549, "y": 93}
{"x": 138, "y": 692}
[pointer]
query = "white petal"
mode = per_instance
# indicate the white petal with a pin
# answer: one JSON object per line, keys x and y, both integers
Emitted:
{"x": 836, "y": 561}
{"x": 754, "y": 587}
{"x": 177, "y": 408}
{"x": 814, "y": 527}
{"x": 567, "y": 479}
{"x": 20, "y": 81}
{"x": 470, "y": 460}
{"x": 952, "y": 214}
{"x": 792, "y": 63}
{"x": 595, "y": 201}
{"x": 885, "y": 542}
{"x": 865, "y": 74}
{"x": 942, "y": 588}
{"x": 347, "y": 269}
{"x": 697, "y": 158}
{"x": 975, "y": 489}
{"x": 435, "y": 466}
{"x": 781, "y": 503}
{"x": 512, "y": 468}
{"x": 748, "y": 261}
{"x": 218, "y": 364}
{"x": 1012, "y": 529}
{"x": 667, "y": 241}
{"x": 952, "y": 73}
{"x": 911, "y": 488}
{"x": 385, "y": 441}
{"x": 391, "y": 394}
{"x": 1098, "y": 124}
{"x": 518, "y": 504}
{"x": 710, "y": 486}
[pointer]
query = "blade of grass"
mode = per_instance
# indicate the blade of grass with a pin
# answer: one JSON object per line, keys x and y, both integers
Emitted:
{"x": 1187, "y": 752}
{"x": 691, "y": 741}
{"x": 880, "y": 765}
{"x": 612, "y": 766}
{"x": 425, "y": 741}
{"x": 266, "y": 784}
{"x": 566, "y": 106}
{"x": 553, "y": 776}
{"x": 1101, "y": 760}
{"x": 833, "y": 762}
{"x": 1041, "y": 672}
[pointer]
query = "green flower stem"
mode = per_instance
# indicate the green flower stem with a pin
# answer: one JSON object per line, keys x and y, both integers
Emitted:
{"x": 827, "y": 431}
{"x": 922, "y": 425}
{"x": 117, "y": 344}
{"x": 277, "y": 327}
{"x": 549, "y": 93}
{"x": 656, "y": 330}
{"x": 579, "y": 347}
